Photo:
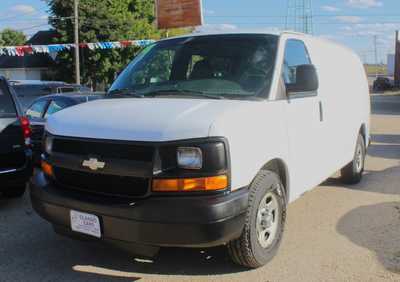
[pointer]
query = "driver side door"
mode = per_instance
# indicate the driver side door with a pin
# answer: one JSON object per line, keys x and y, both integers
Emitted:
{"x": 304, "y": 122}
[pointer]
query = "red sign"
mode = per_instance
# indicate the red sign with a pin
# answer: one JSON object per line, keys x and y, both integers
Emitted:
{"x": 178, "y": 13}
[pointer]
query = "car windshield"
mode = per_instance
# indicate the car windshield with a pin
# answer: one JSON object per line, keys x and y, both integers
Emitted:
{"x": 7, "y": 108}
{"x": 214, "y": 66}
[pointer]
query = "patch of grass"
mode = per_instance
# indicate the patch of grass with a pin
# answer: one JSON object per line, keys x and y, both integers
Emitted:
{"x": 373, "y": 69}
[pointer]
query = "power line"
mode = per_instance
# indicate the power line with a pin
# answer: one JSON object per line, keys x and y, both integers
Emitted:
{"x": 31, "y": 27}
{"x": 19, "y": 15}
{"x": 314, "y": 15}
{"x": 37, "y": 19}
{"x": 317, "y": 23}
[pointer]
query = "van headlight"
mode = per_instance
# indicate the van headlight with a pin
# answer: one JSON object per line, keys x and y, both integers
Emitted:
{"x": 48, "y": 144}
{"x": 190, "y": 157}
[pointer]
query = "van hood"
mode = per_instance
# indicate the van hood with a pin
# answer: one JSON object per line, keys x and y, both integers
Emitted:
{"x": 140, "y": 119}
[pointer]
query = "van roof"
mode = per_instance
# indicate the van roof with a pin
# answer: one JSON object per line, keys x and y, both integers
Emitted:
{"x": 239, "y": 31}
{"x": 260, "y": 31}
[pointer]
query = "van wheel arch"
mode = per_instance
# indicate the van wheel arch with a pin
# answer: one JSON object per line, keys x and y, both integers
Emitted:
{"x": 280, "y": 168}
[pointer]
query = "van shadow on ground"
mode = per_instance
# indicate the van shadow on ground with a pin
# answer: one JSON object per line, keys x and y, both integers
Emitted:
{"x": 386, "y": 181}
{"x": 46, "y": 254}
{"x": 377, "y": 228}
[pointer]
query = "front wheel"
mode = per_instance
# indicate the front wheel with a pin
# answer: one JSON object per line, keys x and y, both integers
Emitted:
{"x": 264, "y": 225}
{"x": 352, "y": 172}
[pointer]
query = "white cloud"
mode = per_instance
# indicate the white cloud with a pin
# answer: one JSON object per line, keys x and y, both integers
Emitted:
{"x": 329, "y": 37}
{"x": 216, "y": 27}
{"x": 349, "y": 19}
{"x": 385, "y": 33}
{"x": 330, "y": 8}
{"x": 364, "y": 4}
{"x": 379, "y": 29}
{"x": 209, "y": 12}
{"x": 23, "y": 9}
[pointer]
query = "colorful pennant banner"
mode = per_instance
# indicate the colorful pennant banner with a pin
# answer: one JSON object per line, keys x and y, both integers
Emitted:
{"x": 55, "y": 48}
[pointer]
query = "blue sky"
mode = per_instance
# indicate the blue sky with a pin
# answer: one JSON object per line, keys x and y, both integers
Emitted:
{"x": 350, "y": 22}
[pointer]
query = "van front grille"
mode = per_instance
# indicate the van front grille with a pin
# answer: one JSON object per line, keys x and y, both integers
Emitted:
{"x": 102, "y": 184}
{"x": 105, "y": 149}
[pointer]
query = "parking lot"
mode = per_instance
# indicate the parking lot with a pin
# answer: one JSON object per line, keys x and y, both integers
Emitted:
{"x": 334, "y": 233}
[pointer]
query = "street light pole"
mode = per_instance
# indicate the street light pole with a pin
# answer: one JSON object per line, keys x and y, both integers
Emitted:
{"x": 76, "y": 35}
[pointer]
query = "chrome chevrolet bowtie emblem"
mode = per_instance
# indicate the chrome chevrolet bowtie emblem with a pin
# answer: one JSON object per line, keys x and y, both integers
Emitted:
{"x": 93, "y": 164}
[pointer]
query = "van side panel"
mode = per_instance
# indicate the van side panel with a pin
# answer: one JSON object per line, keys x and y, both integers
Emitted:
{"x": 257, "y": 134}
{"x": 258, "y": 131}
{"x": 345, "y": 100}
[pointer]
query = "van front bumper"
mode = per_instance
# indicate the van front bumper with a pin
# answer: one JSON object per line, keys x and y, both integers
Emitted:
{"x": 186, "y": 221}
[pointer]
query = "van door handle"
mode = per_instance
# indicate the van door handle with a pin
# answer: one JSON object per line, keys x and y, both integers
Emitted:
{"x": 321, "y": 111}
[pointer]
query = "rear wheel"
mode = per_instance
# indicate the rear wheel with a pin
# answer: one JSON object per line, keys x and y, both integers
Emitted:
{"x": 265, "y": 220}
{"x": 14, "y": 191}
{"x": 352, "y": 172}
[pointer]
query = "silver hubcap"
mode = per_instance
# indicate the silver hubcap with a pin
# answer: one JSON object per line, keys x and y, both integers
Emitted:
{"x": 267, "y": 219}
{"x": 359, "y": 159}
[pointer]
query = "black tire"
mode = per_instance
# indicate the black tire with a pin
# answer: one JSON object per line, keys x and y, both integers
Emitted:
{"x": 352, "y": 172}
{"x": 14, "y": 191}
{"x": 247, "y": 250}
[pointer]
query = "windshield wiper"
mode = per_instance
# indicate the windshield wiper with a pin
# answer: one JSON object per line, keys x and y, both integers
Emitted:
{"x": 124, "y": 92}
{"x": 174, "y": 92}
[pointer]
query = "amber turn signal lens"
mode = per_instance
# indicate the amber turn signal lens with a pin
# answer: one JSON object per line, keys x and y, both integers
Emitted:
{"x": 212, "y": 183}
{"x": 47, "y": 168}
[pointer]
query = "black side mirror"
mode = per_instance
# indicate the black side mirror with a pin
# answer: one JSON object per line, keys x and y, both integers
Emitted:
{"x": 306, "y": 80}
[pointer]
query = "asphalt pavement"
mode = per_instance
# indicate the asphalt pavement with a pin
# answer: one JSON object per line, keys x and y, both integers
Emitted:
{"x": 334, "y": 233}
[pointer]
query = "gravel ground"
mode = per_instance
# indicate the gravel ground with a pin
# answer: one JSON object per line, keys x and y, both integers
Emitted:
{"x": 334, "y": 233}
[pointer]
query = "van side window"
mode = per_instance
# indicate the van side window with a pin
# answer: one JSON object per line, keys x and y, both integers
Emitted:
{"x": 295, "y": 55}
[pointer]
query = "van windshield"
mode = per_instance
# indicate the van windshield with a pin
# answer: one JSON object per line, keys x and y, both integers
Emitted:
{"x": 238, "y": 66}
{"x": 7, "y": 108}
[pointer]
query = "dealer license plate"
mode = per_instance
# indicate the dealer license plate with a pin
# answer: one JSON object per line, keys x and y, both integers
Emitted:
{"x": 85, "y": 223}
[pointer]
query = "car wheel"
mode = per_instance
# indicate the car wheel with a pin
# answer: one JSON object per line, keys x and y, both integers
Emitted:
{"x": 352, "y": 172}
{"x": 14, "y": 191}
{"x": 264, "y": 224}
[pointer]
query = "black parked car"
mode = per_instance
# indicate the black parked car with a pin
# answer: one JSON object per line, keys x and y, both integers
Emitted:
{"x": 15, "y": 154}
{"x": 45, "y": 106}
{"x": 29, "y": 90}
{"x": 383, "y": 84}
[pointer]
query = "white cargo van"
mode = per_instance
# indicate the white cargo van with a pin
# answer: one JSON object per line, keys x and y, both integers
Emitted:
{"x": 205, "y": 141}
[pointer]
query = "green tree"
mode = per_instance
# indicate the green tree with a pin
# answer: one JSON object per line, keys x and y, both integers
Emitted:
{"x": 10, "y": 37}
{"x": 110, "y": 20}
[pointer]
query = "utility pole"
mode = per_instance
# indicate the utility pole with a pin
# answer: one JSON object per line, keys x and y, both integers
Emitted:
{"x": 76, "y": 33}
{"x": 376, "y": 54}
